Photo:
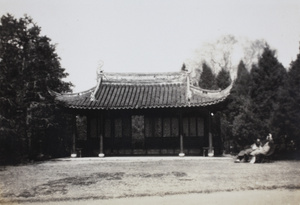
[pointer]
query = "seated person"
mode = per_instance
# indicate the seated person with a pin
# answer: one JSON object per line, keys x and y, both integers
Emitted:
{"x": 264, "y": 149}
{"x": 244, "y": 154}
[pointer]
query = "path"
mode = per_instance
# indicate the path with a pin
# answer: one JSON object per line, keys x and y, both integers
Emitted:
{"x": 257, "y": 197}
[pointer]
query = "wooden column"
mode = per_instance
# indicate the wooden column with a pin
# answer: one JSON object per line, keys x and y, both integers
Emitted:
{"x": 181, "y": 154}
{"x": 210, "y": 137}
{"x": 100, "y": 133}
{"x": 74, "y": 154}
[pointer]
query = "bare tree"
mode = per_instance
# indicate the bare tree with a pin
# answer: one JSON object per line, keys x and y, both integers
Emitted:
{"x": 225, "y": 53}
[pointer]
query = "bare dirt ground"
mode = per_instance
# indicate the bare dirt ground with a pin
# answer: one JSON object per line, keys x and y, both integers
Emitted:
{"x": 111, "y": 179}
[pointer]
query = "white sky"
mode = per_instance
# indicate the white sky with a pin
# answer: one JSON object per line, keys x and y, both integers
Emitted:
{"x": 153, "y": 35}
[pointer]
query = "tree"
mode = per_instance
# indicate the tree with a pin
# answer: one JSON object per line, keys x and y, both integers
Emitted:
{"x": 207, "y": 78}
{"x": 268, "y": 81}
{"x": 242, "y": 82}
{"x": 236, "y": 118}
{"x": 223, "y": 79}
{"x": 29, "y": 68}
{"x": 252, "y": 51}
{"x": 219, "y": 53}
{"x": 239, "y": 95}
{"x": 292, "y": 103}
{"x": 226, "y": 52}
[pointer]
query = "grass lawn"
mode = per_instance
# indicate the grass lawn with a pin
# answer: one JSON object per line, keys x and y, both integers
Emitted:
{"x": 105, "y": 179}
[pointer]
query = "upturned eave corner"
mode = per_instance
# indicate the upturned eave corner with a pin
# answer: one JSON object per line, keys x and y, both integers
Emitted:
{"x": 143, "y": 91}
{"x": 215, "y": 94}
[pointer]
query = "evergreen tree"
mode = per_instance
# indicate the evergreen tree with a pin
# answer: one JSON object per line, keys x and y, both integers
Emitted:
{"x": 223, "y": 79}
{"x": 242, "y": 82}
{"x": 237, "y": 119}
{"x": 239, "y": 95}
{"x": 266, "y": 100}
{"x": 268, "y": 80}
{"x": 29, "y": 68}
{"x": 207, "y": 78}
{"x": 292, "y": 104}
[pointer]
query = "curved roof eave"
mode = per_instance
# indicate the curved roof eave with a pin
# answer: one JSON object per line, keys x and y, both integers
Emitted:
{"x": 202, "y": 104}
{"x": 120, "y": 93}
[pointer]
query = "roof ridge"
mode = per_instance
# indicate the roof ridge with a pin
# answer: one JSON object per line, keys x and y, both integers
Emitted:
{"x": 169, "y": 77}
{"x": 143, "y": 73}
{"x": 77, "y": 93}
{"x": 141, "y": 83}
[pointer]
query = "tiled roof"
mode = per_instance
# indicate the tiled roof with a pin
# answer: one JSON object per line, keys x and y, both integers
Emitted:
{"x": 133, "y": 91}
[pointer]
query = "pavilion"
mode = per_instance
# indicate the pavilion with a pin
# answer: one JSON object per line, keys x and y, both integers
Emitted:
{"x": 146, "y": 114}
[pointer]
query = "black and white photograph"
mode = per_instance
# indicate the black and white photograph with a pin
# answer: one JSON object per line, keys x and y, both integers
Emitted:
{"x": 149, "y": 102}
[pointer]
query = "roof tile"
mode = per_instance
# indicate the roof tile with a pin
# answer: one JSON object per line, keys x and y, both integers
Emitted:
{"x": 142, "y": 93}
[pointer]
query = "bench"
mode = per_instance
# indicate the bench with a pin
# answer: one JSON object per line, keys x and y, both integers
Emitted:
{"x": 261, "y": 158}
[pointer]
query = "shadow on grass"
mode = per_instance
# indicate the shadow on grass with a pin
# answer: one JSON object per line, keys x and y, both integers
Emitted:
{"x": 60, "y": 186}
